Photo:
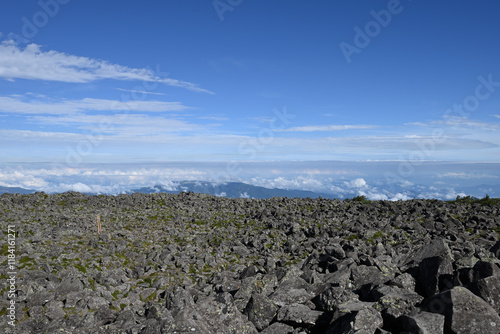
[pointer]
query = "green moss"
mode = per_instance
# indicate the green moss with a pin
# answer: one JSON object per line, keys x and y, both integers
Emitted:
{"x": 352, "y": 237}
{"x": 151, "y": 297}
{"x": 122, "y": 306}
{"x": 92, "y": 283}
{"x": 24, "y": 259}
{"x": 81, "y": 268}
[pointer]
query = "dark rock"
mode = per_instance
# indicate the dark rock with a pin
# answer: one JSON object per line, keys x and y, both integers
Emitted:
{"x": 464, "y": 312}
{"x": 69, "y": 285}
{"x": 336, "y": 251}
{"x": 423, "y": 323}
{"x": 299, "y": 315}
{"x": 331, "y": 298}
{"x": 496, "y": 249}
{"x": 278, "y": 328}
{"x": 364, "y": 321}
{"x": 364, "y": 275}
{"x": 104, "y": 316}
{"x": 260, "y": 311}
{"x": 284, "y": 297}
{"x": 394, "y": 302}
{"x": 222, "y": 316}
{"x": 436, "y": 248}
{"x": 483, "y": 269}
{"x": 489, "y": 289}
{"x": 434, "y": 274}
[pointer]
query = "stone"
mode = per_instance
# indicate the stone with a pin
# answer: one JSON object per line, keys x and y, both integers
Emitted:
{"x": 283, "y": 297}
{"x": 299, "y": 315}
{"x": 260, "y": 311}
{"x": 54, "y": 310}
{"x": 331, "y": 298}
{"x": 423, "y": 323}
{"x": 464, "y": 312}
{"x": 278, "y": 328}
{"x": 364, "y": 321}
{"x": 488, "y": 289}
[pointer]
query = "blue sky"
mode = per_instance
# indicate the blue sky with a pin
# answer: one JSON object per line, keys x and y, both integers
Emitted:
{"x": 85, "y": 82}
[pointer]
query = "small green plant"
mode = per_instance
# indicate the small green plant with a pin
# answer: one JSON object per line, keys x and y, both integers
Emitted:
{"x": 81, "y": 268}
{"x": 352, "y": 237}
{"x": 361, "y": 199}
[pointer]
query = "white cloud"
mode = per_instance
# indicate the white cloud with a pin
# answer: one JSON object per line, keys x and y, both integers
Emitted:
{"x": 15, "y": 105}
{"x": 142, "y": 92}
{"x": 122, "y": 124}
{"x": 357, "y": 183}
{"x": 462, "y": 175}
{"x": 32, "y": 63}
{"x": 244, "y": 195}
{"x": 314, "y": 128}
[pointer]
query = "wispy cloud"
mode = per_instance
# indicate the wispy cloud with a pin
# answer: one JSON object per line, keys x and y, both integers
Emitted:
{"x": 16, "y": 105}
{"x": 139, "y": 91}
{"x": 125, "y": 124}
{"x": 314, "y": 128}
{"x": 463, "y": 175}
{"x": 459, "y": 122}
{"x": 34, "y": 64}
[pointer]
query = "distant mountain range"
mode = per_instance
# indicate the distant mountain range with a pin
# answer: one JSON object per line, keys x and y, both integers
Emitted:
{"x": 239, "y": 189}
{"x": 15, "y": 190}
{"x": 230, "y": 189}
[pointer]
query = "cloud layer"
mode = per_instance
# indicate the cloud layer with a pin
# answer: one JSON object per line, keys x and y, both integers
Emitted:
{"x": 341, "y": 180}
{"x": 32, "y": 63}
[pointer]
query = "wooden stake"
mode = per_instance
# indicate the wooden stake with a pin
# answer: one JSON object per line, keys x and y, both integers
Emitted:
{"x": 99, "y": 224}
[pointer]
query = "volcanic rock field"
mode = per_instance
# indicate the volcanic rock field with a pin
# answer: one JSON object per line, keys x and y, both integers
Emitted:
{"x": 195, "y": 263}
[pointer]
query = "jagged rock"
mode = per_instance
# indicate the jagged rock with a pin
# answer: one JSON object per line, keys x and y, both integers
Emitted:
{"x": 222, "y": 316}
{"x": 436, "y": 248}
{"x": 284, "y": 297}
{"x": 260, "y": 311}
{"x": 303, "y": 316}
{"x": 495, "y": 249}
{"x": 69, "y": 285}
{"x": 369, "y": 275}
{"x": 483, "y": 269}
{"x": 434, "y": 274}
{"x": 464, "y": 312}
{"x": 104, "y": 316}
{"x": 331, "y": 298}
{"x": 278, "y": 328}
{"x": 423, "y": 323}
{"x": 363, "y": 321}
{"x": 393, "y": 302}
{"x": 489, "y": 289}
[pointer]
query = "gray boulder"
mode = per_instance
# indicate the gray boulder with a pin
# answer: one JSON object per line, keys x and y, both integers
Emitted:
{"x": 301, "y": 315}
{"x": 465, "y": 313}
{"x": 261, "y": 311}
{"x": 423, "y": 323}
{"x": 489, "y": 289}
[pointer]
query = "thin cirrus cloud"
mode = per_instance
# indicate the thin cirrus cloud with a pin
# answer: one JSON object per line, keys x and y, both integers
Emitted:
{"x": 129, "y": 124}
{"x": 17, "y": 106}
{"x": 141, "y": 92}
{"x": 314, "y": 128}
{"x": 34, "y": 64}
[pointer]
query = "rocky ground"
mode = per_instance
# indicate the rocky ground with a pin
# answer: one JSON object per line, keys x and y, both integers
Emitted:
{"x": 193, "y": 263}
